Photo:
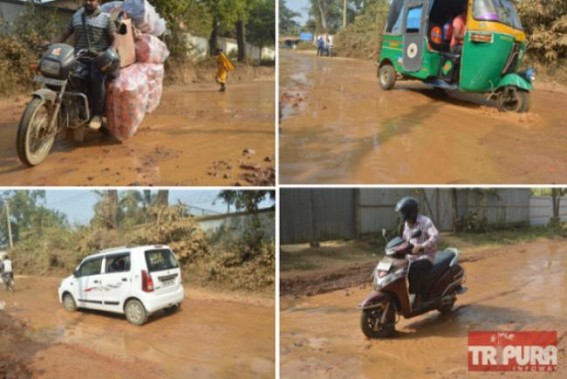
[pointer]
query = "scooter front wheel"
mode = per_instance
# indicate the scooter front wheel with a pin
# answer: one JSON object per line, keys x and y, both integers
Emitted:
{"x": 35, "y": 138}
{"x": 371, "y": 325}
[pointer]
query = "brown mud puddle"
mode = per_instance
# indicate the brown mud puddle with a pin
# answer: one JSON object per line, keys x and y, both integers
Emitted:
{"x": 517, "y": 287}
{"x": 197, "y": 136}
{"x": 338, "y": 126}
{"x": 213, "y": 335}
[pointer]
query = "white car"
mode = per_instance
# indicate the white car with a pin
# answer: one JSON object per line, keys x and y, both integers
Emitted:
{"x": 134, "y": 281}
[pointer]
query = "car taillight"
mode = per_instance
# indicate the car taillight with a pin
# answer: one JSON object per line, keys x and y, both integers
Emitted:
{"x": 147, "y": 282}
{"x": 382, "y": 274}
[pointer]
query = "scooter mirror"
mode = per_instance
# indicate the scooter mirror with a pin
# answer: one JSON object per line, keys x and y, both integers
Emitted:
{"x": 416, "y": 233}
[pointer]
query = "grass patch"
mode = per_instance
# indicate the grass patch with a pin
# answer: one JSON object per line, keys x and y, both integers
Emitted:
{"x": 500, "y": 237}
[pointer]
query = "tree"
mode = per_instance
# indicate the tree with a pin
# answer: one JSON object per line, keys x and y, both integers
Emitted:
{"x": 28, "y": 214}
{"x": 556, "y": 194}
{"x": 229, "y": 197}
{"x": 262, "y": 24}
{"x": 288, "y": 26}
{"x": 222, "y": 13}
{"x": 183, "y": 16}
{"x": 107, "y": 210}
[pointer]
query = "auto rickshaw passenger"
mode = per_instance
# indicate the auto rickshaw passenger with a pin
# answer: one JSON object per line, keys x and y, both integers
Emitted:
{"x": 458, "y": 33}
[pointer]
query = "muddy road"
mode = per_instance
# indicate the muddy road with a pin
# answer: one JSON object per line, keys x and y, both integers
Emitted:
{"x": 213, "y": 335}
{"x": 518, "y": 287}
{"x": 197, "y": 136}
{"x": 338, "y": 126}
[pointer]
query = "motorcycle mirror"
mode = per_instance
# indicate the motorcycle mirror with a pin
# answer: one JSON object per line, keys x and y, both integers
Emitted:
{"x": 416, "y": 233}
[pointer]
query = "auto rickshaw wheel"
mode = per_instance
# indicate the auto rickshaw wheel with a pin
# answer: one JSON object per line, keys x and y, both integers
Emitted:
{"x": 387, "y": 76}
{"x": 513, "y": 99}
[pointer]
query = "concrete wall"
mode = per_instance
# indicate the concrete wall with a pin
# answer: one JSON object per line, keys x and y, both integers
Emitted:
{"x": 541, "y": 210}
{"x": 316, "y": 214}
{"x": 322, "y": 214}
{"x": 200, "y": 46}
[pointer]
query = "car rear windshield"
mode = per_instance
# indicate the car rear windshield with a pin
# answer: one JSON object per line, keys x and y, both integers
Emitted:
{"x": 160, "y": 259}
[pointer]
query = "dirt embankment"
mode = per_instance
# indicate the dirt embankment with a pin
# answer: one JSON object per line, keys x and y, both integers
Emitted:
{"x": 213, "y": 335}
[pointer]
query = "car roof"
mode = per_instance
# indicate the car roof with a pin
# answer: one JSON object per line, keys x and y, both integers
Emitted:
{"x": 130, "y": 248}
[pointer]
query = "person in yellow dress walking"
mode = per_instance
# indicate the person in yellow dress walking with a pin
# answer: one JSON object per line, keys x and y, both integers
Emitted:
{"x": 224, "y": 66}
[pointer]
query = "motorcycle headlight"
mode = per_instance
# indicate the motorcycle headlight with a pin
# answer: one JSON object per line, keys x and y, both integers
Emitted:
{"x": 530, "y": 74}
{"x": 49, "y": 67}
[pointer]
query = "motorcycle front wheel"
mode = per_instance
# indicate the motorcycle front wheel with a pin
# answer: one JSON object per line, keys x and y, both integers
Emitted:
{"x": 35, "y": 139}
{"x": 372, "y": 327}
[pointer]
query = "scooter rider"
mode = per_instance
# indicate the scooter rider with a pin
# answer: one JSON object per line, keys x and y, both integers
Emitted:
{"x": 424, "y": 246}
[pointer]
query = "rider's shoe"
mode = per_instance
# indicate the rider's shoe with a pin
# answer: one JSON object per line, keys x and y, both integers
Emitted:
{"x": 95, "y": 123}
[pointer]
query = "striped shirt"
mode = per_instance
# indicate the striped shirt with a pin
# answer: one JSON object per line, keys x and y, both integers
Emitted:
{"x": 100, "y": 27}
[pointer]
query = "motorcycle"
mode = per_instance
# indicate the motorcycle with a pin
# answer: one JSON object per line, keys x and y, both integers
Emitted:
{"x": 60, "y": 104}
{"x": 380, "y": 311}
{"x": 6, "y": 279}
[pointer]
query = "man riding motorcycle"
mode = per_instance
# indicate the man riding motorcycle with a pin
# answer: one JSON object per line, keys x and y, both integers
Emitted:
{"x": 424, "y": 246}
{"x": 94, "y": 30}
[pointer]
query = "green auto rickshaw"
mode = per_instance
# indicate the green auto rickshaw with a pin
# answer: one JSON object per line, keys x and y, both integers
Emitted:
{"x": 416, "y": 45}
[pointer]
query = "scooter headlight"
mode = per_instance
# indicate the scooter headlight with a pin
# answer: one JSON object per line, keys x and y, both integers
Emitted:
{"x": 530, "y": 74}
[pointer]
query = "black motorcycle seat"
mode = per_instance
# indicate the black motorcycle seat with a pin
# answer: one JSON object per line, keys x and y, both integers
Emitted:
{"x": 441, "y": 263}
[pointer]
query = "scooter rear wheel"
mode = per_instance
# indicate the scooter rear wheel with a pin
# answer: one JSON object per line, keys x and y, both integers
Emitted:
{"x": 371, "y": 326}
{"x": 34, "y": 140}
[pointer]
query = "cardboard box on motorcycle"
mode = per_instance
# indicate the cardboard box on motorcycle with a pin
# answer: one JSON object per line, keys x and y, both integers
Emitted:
{"x": 125, "y": 45}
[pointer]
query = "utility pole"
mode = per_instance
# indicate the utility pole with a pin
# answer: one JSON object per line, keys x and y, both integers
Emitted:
{"x": 9, "y": 224}
{"x": 344, "y": 13}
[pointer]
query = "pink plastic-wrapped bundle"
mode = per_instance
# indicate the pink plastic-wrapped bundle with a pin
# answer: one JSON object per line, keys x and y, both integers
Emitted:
{"x": 127, "y": 101}
{"x": 145, "y": 17}
{"x": 154, "y": 74}
{"x": 150, "y": 49}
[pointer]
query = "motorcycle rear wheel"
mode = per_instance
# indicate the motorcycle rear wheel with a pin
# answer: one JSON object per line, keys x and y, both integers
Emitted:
{"x": 34, "y": 140}
{"x": 371, "y": 326}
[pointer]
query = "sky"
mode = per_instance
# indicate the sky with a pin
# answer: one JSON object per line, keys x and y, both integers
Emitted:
{"x": 299, "y": 6}
{"x": 78, "y": 204}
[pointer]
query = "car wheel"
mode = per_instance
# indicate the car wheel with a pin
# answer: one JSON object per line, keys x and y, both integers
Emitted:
{"x": 69, "y": 303}
{"x": 135, "y": 312}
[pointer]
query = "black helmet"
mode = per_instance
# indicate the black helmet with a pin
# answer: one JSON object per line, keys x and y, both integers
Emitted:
{"x": 408, "y": 208}
{"x": 108, "y": 62}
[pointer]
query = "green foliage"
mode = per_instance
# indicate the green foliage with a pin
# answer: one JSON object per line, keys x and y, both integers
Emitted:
{"x": 246, "y": 200}
{"x": 19, "y": 47}
{"x": 243, "y": 259}
{"x": 363, "y": 37}
{"x": 183, "y": 16}
{"x": 545, "y": 23}
{"x": 261, "y": 28}
{"x": 28, "y": 214}
{"x": 288, "y": 26}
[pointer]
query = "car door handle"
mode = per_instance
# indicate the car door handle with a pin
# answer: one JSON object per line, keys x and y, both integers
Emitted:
{"x": 124, "y": 279}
